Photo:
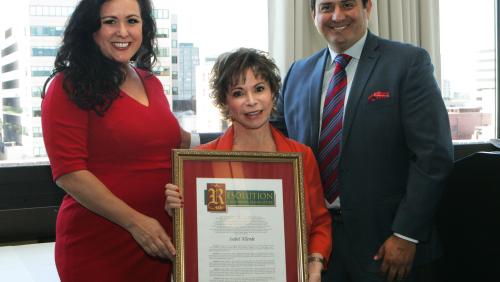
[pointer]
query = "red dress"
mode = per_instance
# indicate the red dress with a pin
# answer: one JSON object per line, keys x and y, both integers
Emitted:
{"x": 129, "y": 150}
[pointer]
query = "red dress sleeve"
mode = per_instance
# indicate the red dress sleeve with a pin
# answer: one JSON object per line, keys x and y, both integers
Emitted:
{"x": 65, "y": 131}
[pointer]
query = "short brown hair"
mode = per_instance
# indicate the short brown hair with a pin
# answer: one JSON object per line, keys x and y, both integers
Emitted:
{"x": 231, "y": 67}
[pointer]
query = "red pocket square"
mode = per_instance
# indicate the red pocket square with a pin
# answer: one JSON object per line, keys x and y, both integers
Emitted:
{"x": 379, "y": 95}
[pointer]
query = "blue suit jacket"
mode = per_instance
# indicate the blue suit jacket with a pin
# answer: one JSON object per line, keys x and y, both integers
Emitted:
{"x": 396, "y": 152}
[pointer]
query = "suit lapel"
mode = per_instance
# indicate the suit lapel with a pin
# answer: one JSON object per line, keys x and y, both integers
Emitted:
{"x": 367, "y": 62}
{"x": 316, "y": 83}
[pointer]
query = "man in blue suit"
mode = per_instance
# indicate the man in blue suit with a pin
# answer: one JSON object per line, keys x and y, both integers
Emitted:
{"x": 395, "y": 149}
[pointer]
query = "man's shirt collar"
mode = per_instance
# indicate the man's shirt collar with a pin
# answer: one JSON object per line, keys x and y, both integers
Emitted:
{"x": 354, "y": 51}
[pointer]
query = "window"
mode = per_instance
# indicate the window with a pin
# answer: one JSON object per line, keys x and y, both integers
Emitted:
{"x": 163, "y": 71}
{"x": 11, "y": 106}
{"x": 44, "y": 51}
{"x": 51, "y": 11}
{"x": 10, "y": 84}
{"x": 162, "y": 33}
{"x": 10, "y": 67}
{"x": 37, "y": 112}
{"x": 46, "y": 30}
{"x": 8, "y": 33}
{"x": 36, "y": 92}
{"x": 39, "y": 151}
{"x": 160, "y": 14}
{"x": 9, "y": 50}
{"x": 163, "y": 52}
{"x": 31, "y": 32}
{"x": 37, "y": 131}
{"x": 468, "y": 69}
{"x": 41, "y": 71}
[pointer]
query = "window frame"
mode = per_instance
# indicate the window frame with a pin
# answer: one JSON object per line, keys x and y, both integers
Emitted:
{"x": 470, "y": 146}
{"x": 497, "y": 70}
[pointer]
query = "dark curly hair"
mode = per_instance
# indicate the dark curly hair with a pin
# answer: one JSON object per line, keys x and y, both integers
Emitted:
{"x": 231, "y": 67}
{"x": 91, "y": 80}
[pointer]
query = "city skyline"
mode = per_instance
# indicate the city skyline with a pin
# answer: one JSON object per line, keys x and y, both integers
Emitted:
{"x": 467, "y": 44}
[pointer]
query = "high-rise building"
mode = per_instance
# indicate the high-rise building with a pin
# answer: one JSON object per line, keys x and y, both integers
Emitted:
{"x": 184, "y": 101}
{"x": 188, "y": 60}
{"x": 446, "y": 89}
{"x": 166, "y": 35}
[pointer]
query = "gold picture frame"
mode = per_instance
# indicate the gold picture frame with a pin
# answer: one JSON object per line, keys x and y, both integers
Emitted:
{"x": 215, "y": 187}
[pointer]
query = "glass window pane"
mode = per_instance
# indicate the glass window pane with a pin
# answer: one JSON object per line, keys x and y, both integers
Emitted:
{"x": 468, "y": 68}
{"x": 186, "y": 52}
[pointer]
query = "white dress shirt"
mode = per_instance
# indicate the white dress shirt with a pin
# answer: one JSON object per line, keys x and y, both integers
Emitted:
{"x": 350, "y": 69}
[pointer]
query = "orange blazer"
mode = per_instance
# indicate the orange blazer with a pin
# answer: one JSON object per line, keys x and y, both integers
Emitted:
{"x": 318, "y": 219}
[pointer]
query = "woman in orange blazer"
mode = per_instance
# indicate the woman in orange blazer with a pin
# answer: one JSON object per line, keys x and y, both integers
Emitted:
{"x": 245, "y": 85}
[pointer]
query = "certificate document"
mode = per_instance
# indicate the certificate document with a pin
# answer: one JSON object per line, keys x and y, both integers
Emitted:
{"x": 240, "y": 222}
{"x": 243, "y": 218}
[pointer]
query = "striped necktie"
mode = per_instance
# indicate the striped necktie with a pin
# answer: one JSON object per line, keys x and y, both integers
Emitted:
{"x": 331, "y": 129}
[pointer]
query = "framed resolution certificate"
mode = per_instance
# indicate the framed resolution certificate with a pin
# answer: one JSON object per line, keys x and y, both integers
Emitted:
{"x": 243, "y": 217}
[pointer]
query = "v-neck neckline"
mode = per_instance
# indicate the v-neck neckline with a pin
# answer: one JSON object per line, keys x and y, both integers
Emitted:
{"x": 145, "y": 89}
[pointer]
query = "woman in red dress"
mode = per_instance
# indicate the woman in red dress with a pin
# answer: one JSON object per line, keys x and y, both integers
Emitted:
{"x": 245, "y": 85}
{"x": 109, "y": 131}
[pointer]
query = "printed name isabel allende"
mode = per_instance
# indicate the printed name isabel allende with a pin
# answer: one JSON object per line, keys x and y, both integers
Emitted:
{"x": 241, "y": 238}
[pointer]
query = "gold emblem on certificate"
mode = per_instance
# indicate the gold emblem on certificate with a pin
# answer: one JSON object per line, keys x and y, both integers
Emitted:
{"x": 216, "y": 197}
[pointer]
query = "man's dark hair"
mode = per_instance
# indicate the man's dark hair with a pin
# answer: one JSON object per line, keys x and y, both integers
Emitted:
{"x": 313, "y": 3}
{"x": 92, "y": 80}
{"x": 230, "y": 68}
